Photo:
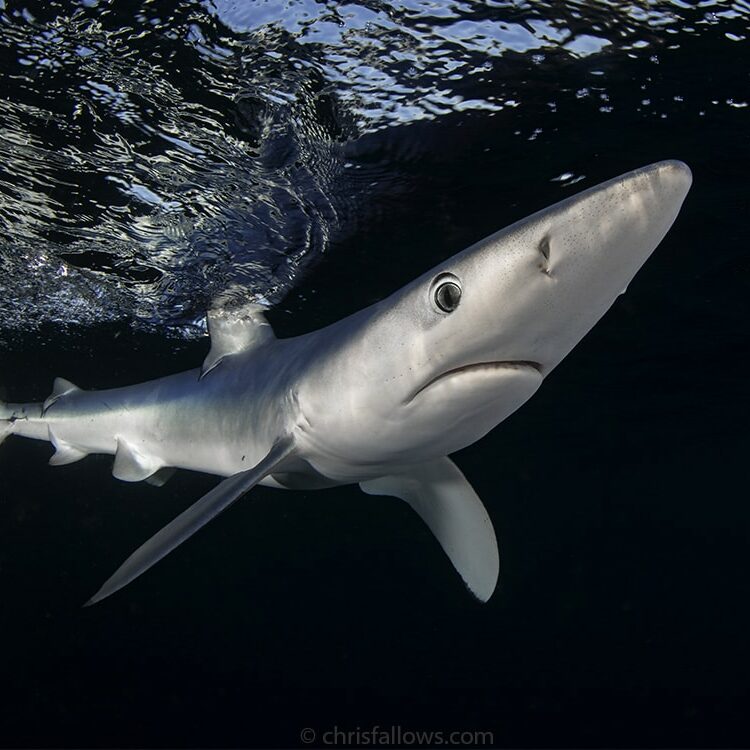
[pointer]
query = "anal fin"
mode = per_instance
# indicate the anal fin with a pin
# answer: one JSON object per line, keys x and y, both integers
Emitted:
{"x": 65, "y": 453}
{"x": 131, "y": 465}
{"x": 447, "y": 503}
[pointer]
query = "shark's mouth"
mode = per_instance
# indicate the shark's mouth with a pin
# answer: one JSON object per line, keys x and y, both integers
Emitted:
{"x": 478, "y": 367}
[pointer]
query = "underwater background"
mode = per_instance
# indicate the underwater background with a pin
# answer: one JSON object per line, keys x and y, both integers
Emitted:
{"x": 315, "y": 156}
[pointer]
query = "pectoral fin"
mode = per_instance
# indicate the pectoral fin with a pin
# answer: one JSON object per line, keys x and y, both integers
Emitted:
{"x": 447, "y": 503}
{"x": 194, "y": 518}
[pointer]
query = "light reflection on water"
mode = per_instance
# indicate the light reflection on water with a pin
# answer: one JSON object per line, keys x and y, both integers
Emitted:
{"x": 159, "y": 158}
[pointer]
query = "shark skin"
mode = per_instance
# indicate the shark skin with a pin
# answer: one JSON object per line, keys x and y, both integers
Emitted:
{"x": 382, "y": 397}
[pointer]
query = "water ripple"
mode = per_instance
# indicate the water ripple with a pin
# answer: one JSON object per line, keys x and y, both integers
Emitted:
{"x": 159, "y": 158}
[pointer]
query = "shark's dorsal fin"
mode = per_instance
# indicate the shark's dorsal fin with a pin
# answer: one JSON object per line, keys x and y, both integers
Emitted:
{"x": 65, "y": 453}
{"x": 194, "y": 518}
{"x": 131, "y": 465}
{"x": 447, "y": 503}
{"x": 60, "y": 388}
{"x": 234, "y": 331}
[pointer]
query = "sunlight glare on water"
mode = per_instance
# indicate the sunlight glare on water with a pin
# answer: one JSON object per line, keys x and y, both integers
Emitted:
{"x": 159, "y": 158}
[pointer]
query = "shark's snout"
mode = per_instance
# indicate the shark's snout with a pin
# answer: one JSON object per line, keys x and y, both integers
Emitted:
{"x": 653, "y": 196}
{"x": 590, "y": 247}
{"x": 533, "y": 290}
{"x": 465, "y": 344}
{"x": 676, "y": 172}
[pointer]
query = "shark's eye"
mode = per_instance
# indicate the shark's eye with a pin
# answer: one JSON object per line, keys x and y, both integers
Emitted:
{"x": 447, "y": 296}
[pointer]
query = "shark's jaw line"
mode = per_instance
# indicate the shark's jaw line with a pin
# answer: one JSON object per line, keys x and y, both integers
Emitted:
{"x": 476, "y": 367}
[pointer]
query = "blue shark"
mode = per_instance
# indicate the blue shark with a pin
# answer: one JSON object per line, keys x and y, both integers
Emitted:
{"x": 383, "y": 397}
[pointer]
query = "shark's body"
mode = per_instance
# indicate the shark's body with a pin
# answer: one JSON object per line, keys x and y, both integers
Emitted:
{"x": 382, "y": 397}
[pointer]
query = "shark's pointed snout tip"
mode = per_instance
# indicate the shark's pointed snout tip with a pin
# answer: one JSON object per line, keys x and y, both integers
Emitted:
{"x": 675, "y": 171}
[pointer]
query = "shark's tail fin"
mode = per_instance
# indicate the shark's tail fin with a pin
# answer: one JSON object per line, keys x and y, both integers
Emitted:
{"x": 6, "y": 423}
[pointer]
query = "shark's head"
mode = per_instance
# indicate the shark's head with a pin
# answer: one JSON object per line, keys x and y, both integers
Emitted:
{"x": 436, "y": 365}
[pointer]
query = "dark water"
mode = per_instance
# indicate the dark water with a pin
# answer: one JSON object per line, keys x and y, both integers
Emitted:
{"x": 158, "y": 156}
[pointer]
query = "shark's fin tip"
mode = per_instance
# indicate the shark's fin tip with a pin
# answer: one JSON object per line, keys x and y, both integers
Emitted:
{"x": 447, "y": 503}
{"x": 160, "y": 477}
{"x": 194, "y": 518}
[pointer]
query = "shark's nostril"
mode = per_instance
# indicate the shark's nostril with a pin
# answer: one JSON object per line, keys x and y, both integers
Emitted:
{"x": 544, "y": 249}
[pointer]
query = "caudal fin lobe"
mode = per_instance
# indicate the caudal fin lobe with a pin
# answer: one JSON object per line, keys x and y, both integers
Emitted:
{"x": 6, "y": 420}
